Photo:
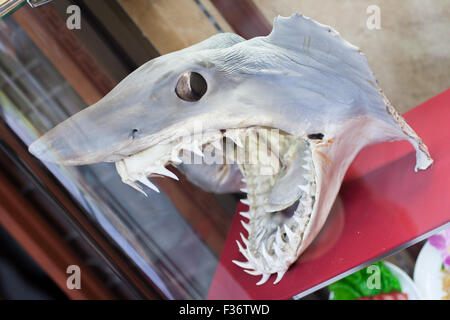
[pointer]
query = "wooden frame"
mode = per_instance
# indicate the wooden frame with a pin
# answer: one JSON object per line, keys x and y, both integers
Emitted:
{"x": 27, "y": 231}
{"x": 43, "y": 243}
{"x": 244, "y": 16}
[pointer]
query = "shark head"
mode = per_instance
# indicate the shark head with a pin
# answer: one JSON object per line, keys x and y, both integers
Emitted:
{"x": 283, "y": 115}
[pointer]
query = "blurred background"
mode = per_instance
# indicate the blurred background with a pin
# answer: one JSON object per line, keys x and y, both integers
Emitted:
{"x": 166, "y": 246}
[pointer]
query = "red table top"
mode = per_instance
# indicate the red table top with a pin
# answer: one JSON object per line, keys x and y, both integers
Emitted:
{"x": 383, "y": 206}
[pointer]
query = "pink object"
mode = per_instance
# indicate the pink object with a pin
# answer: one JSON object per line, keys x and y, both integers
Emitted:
{"x": 442, "y": 243}
{"x": 382, "y": 207}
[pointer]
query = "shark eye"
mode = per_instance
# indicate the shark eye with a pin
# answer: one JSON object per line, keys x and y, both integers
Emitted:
{"x": 191, "y": 86}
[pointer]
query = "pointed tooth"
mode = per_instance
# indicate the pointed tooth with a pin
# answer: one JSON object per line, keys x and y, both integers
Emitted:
{"x": 194, "y": 148}
{"x": 264, "y": 279}
{"x": 298, "y": 219}
{"x": 122, "y": 170}
{"x": 254, "y": 272}
{"x": 217, "y": 144}
{"x": 234, "y": 136}
{"x": 144, "y": 180}
{"x": 244, "y": 180}
{"x": 306, "y": 202}
{"x": 306, "y": 166}
{"x": 197, "y": 151}
{"x": 243, "y": 265}
{"x": 280, "y": 275}
{"x": 165, "y": 172}
{"x": 245, "y": 214}
{"x": 244, "y": 240}
{"x": 238, "y": 142}
{"x": 277, "y": 249}
{"x": 266, "y": 254}
{"x": 289, "y": 232}
{"x": 251, "y": 256}
{"x": 304, "y": 188}
{"x": 241, "y": 249}
{"x": 278, "y": 238}
{"x": 302, "y": 222}
{"x": 245, "y": 201}
{"x": 260, "y": 236}
{"x": 245, "y": 190}
{"x": 175, "y": 159}
{"x": 245, "y": 225}
{"x": 134, "y": 185}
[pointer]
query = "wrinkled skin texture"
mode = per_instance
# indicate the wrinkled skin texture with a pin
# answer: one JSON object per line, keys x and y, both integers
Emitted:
{"x": 302, "y": 79}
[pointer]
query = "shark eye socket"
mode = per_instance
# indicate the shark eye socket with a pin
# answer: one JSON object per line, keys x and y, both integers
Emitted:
{"x": 191, "y": 86}
{"x": 315, "y": 136}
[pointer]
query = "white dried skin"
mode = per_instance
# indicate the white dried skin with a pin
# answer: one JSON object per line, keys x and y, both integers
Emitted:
{"x": 303, "y": 79}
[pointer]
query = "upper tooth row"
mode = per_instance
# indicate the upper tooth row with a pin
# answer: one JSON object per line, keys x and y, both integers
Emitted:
{"x": 153, "y": 160}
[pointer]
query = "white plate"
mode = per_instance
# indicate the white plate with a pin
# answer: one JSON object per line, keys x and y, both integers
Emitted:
{"x": 407, "y": 284}
{"x": 427, "y": 273}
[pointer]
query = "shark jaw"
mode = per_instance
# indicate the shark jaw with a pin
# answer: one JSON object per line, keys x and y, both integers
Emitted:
{"x": 303, "y": 78}
{"x": 280, "y": 180}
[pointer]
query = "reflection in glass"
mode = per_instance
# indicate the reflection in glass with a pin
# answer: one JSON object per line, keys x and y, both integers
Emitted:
{"x": 34, "y": 97}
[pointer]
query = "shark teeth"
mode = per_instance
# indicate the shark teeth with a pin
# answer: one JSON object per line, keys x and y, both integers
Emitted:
{"x": 242, "y": 264}
{"x": 245, "y": 201}
{"x": 290, "y": 234}
{"x": 271, "y": 244}
{"x": 164, "y": 172}
{"x": 245, "y": 225}
{"x": 245, "y": 214}
{"x": 135, "y": 186}
{"x": 264, "y": 279}
{"x": 144, "y": 180}
{"x": 174, "y": 159}
{"x": 152, "y": 161}
{"x": 193, "y": 147}
{"x": 266, "y": 255}
{"x": 217, "y": 144}
{"x": 130, "y": 175}
{"x": 273, "y": 240}
{"x": 279, "y": 276}
{"x": 254, "y": 272}
{"x": 304, "y": 188}
{"x": 233, "y": 135}
{"x": 244, "y": 240}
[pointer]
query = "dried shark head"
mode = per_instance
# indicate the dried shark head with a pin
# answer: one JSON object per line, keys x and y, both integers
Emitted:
{"x": 302, "y": 80}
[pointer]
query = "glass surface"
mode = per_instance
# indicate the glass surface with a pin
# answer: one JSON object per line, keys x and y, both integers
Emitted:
{"x": 34, "y": 97}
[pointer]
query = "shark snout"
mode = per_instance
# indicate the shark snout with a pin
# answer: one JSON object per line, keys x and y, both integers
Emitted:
{"x": 99, "y": 133}
{"x": 71, "y": 144}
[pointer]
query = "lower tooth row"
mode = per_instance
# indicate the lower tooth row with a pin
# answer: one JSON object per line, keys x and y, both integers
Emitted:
{"x": 283, "y": 243}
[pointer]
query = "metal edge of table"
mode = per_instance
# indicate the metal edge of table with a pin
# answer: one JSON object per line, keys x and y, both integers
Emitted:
{"x": 371, "y": 261}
